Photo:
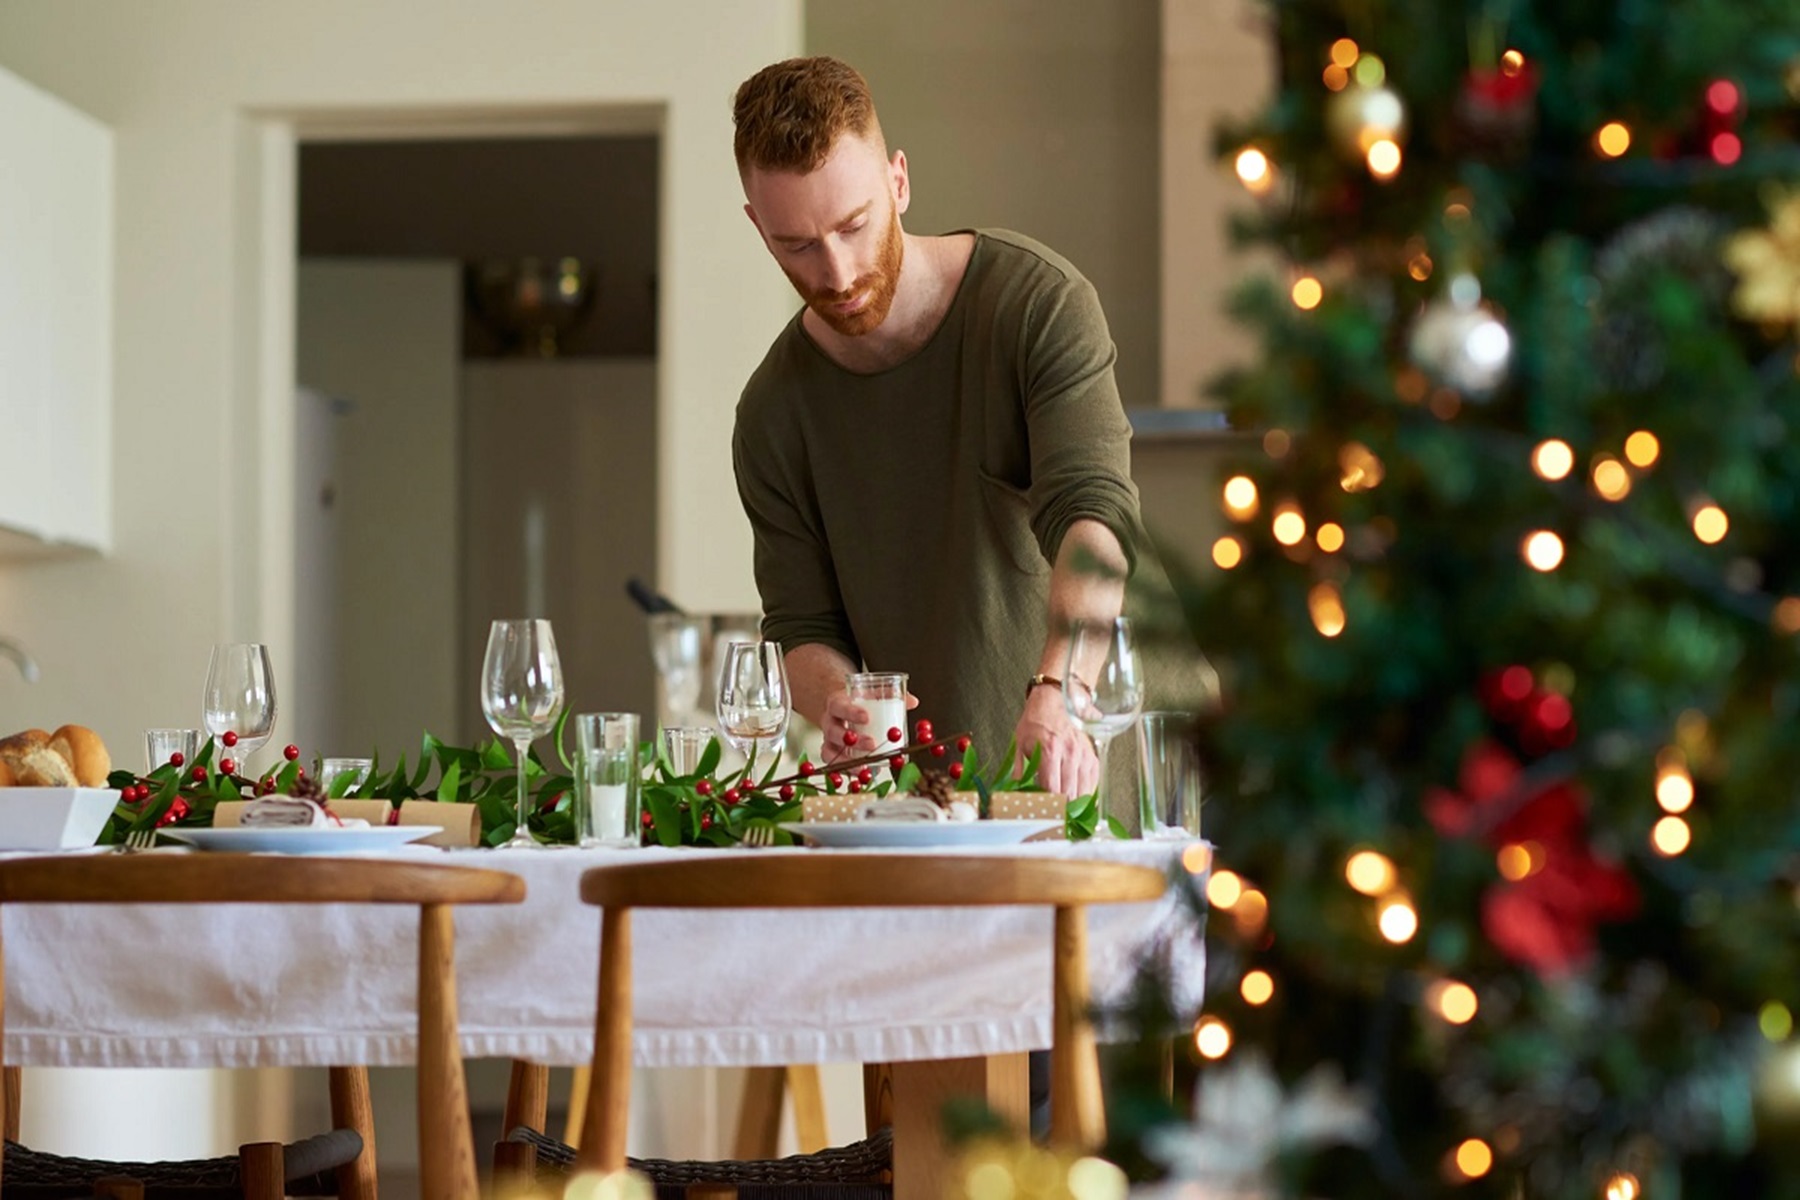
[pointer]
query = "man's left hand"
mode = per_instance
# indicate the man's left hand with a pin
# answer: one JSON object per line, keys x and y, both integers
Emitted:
{"x": 1068, "y": 764}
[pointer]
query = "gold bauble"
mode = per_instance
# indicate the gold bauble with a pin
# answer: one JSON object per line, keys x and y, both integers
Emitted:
{"x": 1359, "y": 116}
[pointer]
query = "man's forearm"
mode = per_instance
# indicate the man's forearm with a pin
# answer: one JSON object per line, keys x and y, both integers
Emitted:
{"x": 814, "y": 672}
{"x": 1087, "y": 583}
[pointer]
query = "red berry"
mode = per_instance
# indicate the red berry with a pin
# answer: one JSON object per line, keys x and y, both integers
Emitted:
{"x": 956, "y": 770}
{"x": 180, "y": 807}
{"x": 646, "y": 820}
{"x": 229, "y": 738}
{"x": 198, "y": 774}
{"x": 922, "y": 730}
{"x": 806, "y": 767}
{"x": 267, "y": 787}
{"x": 290, "y": 752}
{"x": 850, "y": 737}
{"x": 897, "y": 763}
{"x": 128, "y": 793}
{"x": 227, "y": 765}
{"x": 177, "y": 758}
{"x": 895, "y": 734}
{"x": 787, "y": 791}
{"x": 854, "y": 787}
{"x": 299, "y": 772}
{"x": 938, "y": 751}
{"x": 834, "y": 781}
{"x": 704, "y": 787}
{"x": 963, "y": 743}
{"x": 706, "y": 820}
{"x": 732, "y": 796}
{"x": 865, "y": 777}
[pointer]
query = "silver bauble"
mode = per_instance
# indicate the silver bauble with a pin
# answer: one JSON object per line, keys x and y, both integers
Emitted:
{"x": 1460, "y": 342}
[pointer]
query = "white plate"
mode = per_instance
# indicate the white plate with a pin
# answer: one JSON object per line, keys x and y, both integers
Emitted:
{"x": 300, "y": 839}
{"x": 919, "y": 833}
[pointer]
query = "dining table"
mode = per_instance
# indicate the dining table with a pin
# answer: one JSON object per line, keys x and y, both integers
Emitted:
{"x": 952, "y": 998}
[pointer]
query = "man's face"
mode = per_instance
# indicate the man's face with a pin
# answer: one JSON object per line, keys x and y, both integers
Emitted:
{"x": 835, "y": 232}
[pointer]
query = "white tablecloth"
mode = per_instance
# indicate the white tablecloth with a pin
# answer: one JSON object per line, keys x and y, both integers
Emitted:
{"x": 266, "y": 985}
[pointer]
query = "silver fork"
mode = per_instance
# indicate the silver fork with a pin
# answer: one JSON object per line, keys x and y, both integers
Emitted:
{"x": 757, "y": 837}
{"x": 138, "y": 840}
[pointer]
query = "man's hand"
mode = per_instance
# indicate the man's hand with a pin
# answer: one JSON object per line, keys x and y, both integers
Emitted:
{"x": 1068, "y": 764}
{"x": 841, "y": 714}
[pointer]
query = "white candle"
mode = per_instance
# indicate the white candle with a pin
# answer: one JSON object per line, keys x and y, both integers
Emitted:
{"x": 885, "y": 714}
{"x": 607, "y": 821}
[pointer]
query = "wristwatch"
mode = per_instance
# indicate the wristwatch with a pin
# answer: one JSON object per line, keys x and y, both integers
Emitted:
{"x": 1039, "y": 680}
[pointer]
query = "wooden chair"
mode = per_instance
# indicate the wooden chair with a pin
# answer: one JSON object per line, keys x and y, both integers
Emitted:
{"x": 817, "y": 880}
{"x": 446, "y": 1150}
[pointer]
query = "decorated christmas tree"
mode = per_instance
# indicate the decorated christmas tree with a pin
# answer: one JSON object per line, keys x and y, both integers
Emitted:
{"x": 1507, "y": 609}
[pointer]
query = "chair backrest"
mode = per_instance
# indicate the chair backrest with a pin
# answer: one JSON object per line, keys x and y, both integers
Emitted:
{"x": 769, "y": 879}
{"x": 446, "y": 1145}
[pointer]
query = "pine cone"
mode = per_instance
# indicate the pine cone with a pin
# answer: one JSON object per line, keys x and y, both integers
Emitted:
{"x": 937, "y": 787}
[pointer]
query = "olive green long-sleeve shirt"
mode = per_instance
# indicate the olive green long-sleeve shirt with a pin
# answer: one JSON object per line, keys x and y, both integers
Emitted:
{"x": 908, "y": 518}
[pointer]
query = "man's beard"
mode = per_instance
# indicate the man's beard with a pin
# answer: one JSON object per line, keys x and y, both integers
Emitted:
{"x": 881, "y": 284}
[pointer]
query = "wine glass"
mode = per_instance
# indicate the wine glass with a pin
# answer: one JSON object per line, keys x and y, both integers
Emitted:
{"x": 239, "y": 698}
{"x": 521, "y": 695}
{"x": 1103, "y": 686}
{"x": 675, "y": 646}
{"x": 753, "y": 698}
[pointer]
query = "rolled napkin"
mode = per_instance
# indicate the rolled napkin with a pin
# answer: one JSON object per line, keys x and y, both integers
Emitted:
{"x": 900, "y": 808}
{"x": 459, "y": 824}
{"x": 287, "y": 811}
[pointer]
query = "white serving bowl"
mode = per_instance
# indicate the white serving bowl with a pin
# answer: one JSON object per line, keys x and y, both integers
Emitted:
{"x": 49, "y": 818}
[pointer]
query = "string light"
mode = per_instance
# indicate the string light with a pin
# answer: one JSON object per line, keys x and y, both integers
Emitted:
{"x": 1419, "y": 267}
{"x": 1251, "y": 911}
{"x": 1727, "y": 148}
{"x": 1327, "y": 609}
{"x": 1276, "y": 443}
{"x": 1360, "y": 470}
{"x": 1610, "y": 478}
{"x": 1786, "y": 616}
{"x": 1397, "y": 921}
{"x": 1257, "y": 988}
{"x": 1336, "y": 78}
{"x": 1330, "y": 537}
{"x": 1369, "y": 872}
{"x": 1254, "y": 170}
{"x": 1613, "y": 139}
{"x": 1474, "y": 1159}
{"x": 1623, "y": 1186}
{"x": 1670, "y": 836}
{"x": 1370, "y": 71}
{"x": 1520, "y": 860}
{"x": 1224, "y": 889}
{"x": 1641, "y": 449}
{"x": 1711, "y": 524}
{"x": 1775, "y": 1021}
{"x": 1543, "y": 550}
{"x": 1307, "y": 293}
{"x": 1345, "y": 52}
{"x": 1512, "y": 63}
{"x": 1227, "y": 553}
{"x": 1197, "y": 858}
{"x": 1241, "y": 501}
{"x": 1453, "y": 1001}
{"x": 1674, "y": 789}
{"x": 1212, "y": 1038}
{"x": 1288, "y": 526}
{"x": 1553, "y": 459}
{"x": 1384, "y": 159}
{"x": 1722, "y": 97}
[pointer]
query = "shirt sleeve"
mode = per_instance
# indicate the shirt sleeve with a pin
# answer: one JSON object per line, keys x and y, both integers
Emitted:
{"x": 795, "y": 575}
{"x": 1080, "y": 438}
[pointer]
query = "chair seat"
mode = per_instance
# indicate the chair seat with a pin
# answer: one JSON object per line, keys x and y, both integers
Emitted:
{"x": 860, "y": 1171}
{"x": 309, "y": 1165}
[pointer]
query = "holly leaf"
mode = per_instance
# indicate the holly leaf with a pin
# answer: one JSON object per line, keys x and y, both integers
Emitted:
{"x": 709, "y": 758}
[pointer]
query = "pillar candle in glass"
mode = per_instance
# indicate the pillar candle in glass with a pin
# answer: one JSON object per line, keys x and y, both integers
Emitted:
{"x": 606, "y": 784}
{"x": 882, "y": 694}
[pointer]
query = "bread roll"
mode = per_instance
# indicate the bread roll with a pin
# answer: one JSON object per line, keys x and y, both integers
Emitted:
{"x": 7, "y": 778}
{"x": 85, "y": 753}
{"x": 33, "y": 762}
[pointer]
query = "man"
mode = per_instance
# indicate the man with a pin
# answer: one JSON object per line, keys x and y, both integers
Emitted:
{"x": 932, "y": 455}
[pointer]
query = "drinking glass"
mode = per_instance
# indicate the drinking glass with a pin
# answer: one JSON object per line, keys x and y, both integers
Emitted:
{"x": 684, "y": 744}
{"x": 521, "y": 696}
{"x": 606, "y": 780}
{"x": 162, "y": 745}
{"x": 676, "y": 643}
{"x": 357, "y": 768}
{"x": 239, "y": 698}
{"x": 753, "y": 698}
{"x": 883, "y": 695}
{"x": 1169, "y": 780}
{"x": 1103, "y": 686}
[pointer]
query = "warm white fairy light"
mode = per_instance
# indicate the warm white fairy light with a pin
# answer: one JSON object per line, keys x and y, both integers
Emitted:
{"x": 1671, "y": 836}
{"x": 1257, "y": 988}
{"x": 1674, "y": 790}
{"x": 1519, "y": 860}
{"x": 1613, "y": 139}
{"x": 1240, "y": 496}
{"x": 1251, "y": 911}
{"x": 1227, "y": 553}
{"x": 1711, "y": 524}
{"x": 1212, "y": 1038}
{"x": 1398, "y": 921}
{"x": 1345, "y": 52}
{"x": 1307, "y": 293}
{"x": 1553, "y": 459}
{"x": 1610, "y": 478}
{"x": 1369, "y": 872}
{"x": 1224, "y": 889}
{"x": 1384, "y": 159}
{"x": 1455, "y": 1002}
{"x": 1642, "y": 449}
{"x": 1288, "y": 526}
{"x": 1330, "y": 537}
{"x": 1197, "y": 858}
{"x": 1623, "y": 1186}
{"x": 1786, "y": 615}
{"x": 1326, "y": 606}
{"x": 1474, "y": 1158}
{"x": 1359, "y": 468}
{"x": 1543, "y": 550}
{"x": 1252, "y": 166}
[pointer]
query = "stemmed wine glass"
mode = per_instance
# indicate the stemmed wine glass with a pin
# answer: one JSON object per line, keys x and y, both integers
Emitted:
{"x": 239, "y": 698}
{"x": 521, "y": 696}
{"x": 753, "y": 698}
{"x": 1103, "y": 686}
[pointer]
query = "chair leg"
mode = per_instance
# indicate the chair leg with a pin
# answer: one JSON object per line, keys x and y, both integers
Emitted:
{"x": 1077, "y": 1121}
{"x": 527, "y": 1097}
{"x": 261, "y": 1170}
{"x": 352, "y": 1109}
{"x": 15, "y": 1089}
{"x": 759, "y": 1114}
{"x": 878, "y": 1096}
{"x": 446, "y": 1144}
{"x": 515, "y": 1167}
{"x": 807, "y": 1092}
{"x": 580, "y": 1080}
{"x": 609, "y": 1096}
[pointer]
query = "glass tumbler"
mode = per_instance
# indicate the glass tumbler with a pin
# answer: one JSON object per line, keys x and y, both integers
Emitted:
{"x": 162, "y": 745}
{"x": 1169, "y": 778}
{"x": 882, "y": 694}
{"x": 606, "y": 784}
